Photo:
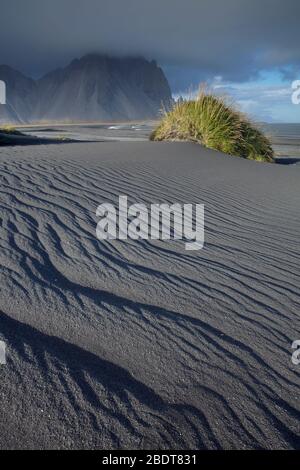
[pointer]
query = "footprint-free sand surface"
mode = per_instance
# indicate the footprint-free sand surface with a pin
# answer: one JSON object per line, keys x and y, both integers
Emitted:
{"x": 141, "y": 344}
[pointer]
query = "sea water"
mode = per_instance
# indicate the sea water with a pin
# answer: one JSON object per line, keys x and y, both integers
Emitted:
{"x": 285, "y": 139}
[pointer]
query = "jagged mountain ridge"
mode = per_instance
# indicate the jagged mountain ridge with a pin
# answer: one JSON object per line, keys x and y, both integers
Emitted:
{"x": 94, "y": 87}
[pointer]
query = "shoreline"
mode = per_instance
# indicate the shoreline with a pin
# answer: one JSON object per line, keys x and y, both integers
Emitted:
{"x": 286, "y": 146}
{"x": 100, "y": 333}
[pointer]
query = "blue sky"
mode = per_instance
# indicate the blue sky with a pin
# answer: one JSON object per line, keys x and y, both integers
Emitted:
{"x": 267, "y": 98}
{"x": 246, "y": 48}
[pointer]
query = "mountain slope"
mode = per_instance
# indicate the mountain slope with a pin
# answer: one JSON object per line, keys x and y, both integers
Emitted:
{"x": 92, "y": 88}
{"x": 21, "y": 94}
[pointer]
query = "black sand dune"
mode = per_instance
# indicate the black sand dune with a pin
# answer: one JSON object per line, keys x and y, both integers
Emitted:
{"x": 17, "y": 139}
{"x": 141, "y": 344}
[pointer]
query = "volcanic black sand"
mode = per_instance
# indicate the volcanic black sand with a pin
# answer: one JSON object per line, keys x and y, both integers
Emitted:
{"x": 141, "y": 344}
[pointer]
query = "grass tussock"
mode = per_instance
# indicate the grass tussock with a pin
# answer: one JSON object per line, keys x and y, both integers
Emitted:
{"x": 10, "y": 130}
{"x": 8, "y": 134}
{"x": 213, "y": 122}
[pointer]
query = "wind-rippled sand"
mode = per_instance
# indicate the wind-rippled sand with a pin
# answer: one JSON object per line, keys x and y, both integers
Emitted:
{"x": 141, "y": 344}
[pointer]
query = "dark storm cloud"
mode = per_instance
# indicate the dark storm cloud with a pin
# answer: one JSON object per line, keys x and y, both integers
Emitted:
{"x": 231, "y": 38}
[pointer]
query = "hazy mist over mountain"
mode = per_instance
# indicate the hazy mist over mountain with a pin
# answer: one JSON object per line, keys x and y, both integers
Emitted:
{"x": 247, "y": 50}
{"x": 95, "y": 87}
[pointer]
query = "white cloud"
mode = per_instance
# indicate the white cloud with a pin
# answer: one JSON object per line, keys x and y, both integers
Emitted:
{"x": 262, "y": 100}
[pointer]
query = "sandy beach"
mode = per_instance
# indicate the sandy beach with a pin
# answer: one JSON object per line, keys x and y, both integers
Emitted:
{"x": 140, "y": 344}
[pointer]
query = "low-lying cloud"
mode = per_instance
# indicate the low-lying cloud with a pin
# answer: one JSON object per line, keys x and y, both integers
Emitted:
{"x": 235, "y": 39}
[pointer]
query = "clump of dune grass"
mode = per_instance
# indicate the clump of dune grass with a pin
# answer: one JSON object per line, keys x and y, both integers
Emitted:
{"x": 63, "y": 138}
{"x": 7, "y": 129}
{"x": 213, "y": 122}
{"x": 8, "y": 135}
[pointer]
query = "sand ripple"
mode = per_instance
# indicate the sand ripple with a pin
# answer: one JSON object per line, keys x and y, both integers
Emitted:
{"x": 142, "y": 344}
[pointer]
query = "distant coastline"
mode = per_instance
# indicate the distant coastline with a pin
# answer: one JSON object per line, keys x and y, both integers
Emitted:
{"x": 285, "y": 139}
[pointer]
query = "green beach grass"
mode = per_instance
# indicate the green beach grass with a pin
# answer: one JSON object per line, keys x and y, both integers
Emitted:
{"x": 9, "y": 130}
{"x": 211, "y": 121}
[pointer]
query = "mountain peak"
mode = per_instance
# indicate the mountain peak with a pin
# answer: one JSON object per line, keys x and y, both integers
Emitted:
{"x": 93, "y": 87}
